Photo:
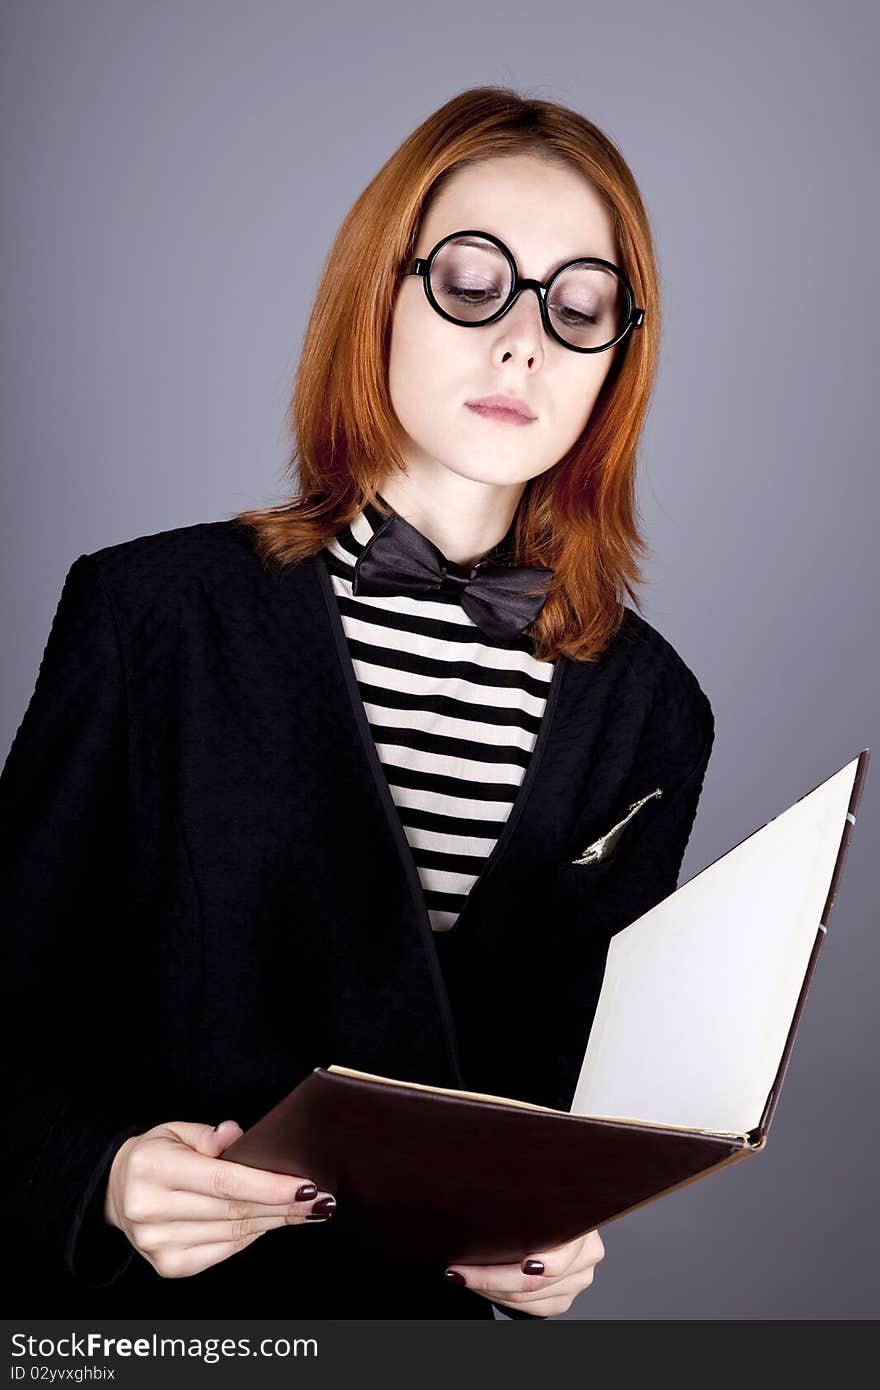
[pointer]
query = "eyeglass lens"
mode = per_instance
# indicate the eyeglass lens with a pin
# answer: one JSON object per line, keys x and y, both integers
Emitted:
{"x": 471, "y": 280}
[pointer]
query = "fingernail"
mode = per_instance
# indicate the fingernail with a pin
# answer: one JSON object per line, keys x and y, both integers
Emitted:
{"x": 532, "y": 1266}
{"x": 306, "y": 1192}
{"x": 453, "y": 1276}
{"x": 322, "y": 1209}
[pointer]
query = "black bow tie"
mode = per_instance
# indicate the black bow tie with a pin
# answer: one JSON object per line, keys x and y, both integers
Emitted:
{"x": 499, "y": 599}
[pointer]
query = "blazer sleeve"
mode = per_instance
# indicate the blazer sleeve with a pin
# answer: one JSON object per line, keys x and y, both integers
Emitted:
{"x": 65, "y": 848}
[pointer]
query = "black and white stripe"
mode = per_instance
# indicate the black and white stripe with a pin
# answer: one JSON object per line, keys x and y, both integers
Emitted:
{"x": 454, "y": 716}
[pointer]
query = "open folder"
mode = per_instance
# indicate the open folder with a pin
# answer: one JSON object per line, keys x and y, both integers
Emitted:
{"x": 692, "y": 1034}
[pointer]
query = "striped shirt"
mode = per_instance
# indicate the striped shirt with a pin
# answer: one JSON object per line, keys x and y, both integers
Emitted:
{"x": 454, "y": 717}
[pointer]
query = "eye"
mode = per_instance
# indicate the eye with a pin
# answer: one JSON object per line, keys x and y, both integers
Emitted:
{"x": 470, "y": 294}
{"x": 574, "y": 317}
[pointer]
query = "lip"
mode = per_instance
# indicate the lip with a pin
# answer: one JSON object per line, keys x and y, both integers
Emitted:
{"x": 511, "y": 408}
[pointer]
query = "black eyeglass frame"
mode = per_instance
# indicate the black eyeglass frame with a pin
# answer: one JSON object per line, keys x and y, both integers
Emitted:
{"x": 422, "y": 266}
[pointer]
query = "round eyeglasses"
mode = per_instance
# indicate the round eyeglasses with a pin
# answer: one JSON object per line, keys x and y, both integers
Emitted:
{"x": 472, "y": 279}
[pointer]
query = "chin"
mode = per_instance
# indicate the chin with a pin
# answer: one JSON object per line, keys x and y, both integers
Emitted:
{"x": 497, "y": 473}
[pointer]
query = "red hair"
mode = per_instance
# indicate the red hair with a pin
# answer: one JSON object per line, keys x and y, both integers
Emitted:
{"x": 578, "y": 518}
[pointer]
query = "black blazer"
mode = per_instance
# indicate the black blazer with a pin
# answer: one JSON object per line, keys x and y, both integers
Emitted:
{"x": 207, "y": 891}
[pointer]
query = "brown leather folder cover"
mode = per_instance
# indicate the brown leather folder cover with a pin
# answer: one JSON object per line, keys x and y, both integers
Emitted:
{"x": 419, "y": 1172}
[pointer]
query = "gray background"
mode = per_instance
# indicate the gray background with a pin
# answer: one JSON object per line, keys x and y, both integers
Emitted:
{"x": 172, "y": 178}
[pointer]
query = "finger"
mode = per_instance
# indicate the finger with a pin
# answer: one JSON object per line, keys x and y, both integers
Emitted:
{"x": 188, "y": 1234}
{"x": 160, "y": 1204}
{"x": 180, "y": 1262}
{"x": 575, "y": 1256}
{"x": 215, "y": 1177}
{"x": 490, "y": 1280}
{"x": 556, "y": 1298}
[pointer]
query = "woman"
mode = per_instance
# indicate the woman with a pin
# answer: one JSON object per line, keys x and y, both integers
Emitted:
{"x": 313, "y": 785}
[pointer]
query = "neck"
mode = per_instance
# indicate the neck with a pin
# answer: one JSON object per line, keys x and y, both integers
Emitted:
{"x": 464, "y": 519}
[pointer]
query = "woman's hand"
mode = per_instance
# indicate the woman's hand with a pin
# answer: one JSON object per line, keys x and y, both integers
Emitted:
{"x": 184, "y": 1209}
{"x": 567, "y": 1269}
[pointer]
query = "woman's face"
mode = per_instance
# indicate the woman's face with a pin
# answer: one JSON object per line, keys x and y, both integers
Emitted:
{"x": 545, "y": 214}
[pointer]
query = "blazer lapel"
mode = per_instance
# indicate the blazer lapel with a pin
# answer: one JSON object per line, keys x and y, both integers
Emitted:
{"x": 362, "y": 917}
{"x": 367, "y": 767}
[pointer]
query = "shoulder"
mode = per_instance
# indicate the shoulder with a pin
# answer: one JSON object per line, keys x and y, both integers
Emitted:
{"x": 210, "y": 563}
{"x": 165, "y": 558}
{"x": 679, "y": 708}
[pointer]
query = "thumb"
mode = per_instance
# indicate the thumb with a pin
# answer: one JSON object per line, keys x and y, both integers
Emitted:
{"x": 222, "y": 1136}
{"x": 208, "y": 1139}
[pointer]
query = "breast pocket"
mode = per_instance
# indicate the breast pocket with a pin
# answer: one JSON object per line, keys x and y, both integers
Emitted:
{"x": 580, "y": 873}
{"x": 603, "y": 848}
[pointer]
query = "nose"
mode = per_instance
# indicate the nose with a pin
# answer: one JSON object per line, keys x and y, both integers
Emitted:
{"x": 526, "y": 303}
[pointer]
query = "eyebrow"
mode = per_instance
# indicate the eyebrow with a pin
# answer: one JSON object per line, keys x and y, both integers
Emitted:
{"x": 479, "y": 245}
{"x": 490, "y": 246}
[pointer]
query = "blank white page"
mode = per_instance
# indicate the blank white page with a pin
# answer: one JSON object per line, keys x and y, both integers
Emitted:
{"x": 700, "y": 992}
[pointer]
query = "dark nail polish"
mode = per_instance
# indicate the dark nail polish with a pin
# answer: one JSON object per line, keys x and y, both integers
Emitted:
{"x": 306, "y": 1192}
{"x": 533, "y": 1266}
{"x": 452, "y": 1276}
{"x": 321, "y": 1210}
